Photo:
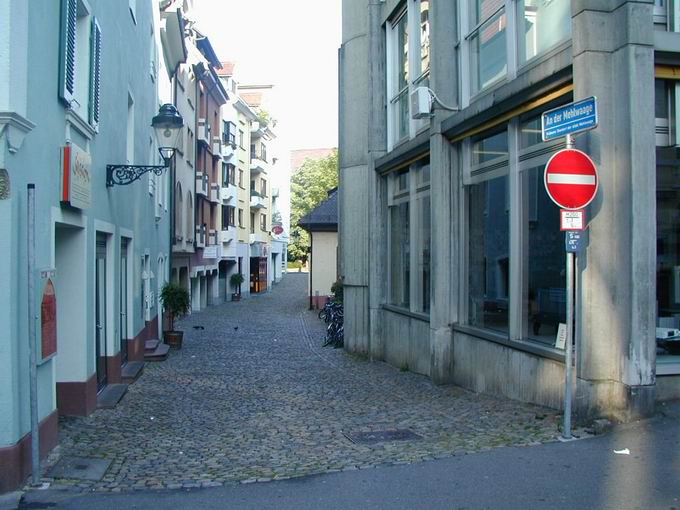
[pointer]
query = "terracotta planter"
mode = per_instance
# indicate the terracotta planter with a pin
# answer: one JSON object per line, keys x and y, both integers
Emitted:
{"x": 173, "y": 338}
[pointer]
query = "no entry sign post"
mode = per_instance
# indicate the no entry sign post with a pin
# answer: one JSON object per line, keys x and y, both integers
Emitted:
{"x": 571, "y": 181}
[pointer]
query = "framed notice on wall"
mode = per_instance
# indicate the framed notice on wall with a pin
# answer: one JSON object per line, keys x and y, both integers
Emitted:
{"x": 48, "y": 321}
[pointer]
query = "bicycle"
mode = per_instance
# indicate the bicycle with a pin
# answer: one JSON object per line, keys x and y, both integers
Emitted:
{"x": 333, "y": 314}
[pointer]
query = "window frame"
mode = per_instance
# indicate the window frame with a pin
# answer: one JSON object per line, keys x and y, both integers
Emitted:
{"x": 514, "y": 13}
{"x": 411, "y": 194}
{"x": 519, "y": 160}
{"x": 410, "y": 13}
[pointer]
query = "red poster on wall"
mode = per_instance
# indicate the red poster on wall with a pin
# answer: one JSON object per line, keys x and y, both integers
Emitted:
{"x": 48, "y": 321}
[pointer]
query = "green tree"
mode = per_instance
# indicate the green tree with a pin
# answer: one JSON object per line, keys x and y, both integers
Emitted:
{"x": 309, "y": 186}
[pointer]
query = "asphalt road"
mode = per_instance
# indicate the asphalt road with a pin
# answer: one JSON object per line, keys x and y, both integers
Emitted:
{"x": 582, "y": 474}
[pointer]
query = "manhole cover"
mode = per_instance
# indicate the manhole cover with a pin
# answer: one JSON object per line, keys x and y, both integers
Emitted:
{"x": 80, "y": 468}
{"x": 379, "y": 436}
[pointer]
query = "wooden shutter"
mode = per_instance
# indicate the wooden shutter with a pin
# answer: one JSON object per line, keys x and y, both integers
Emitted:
{"x": 67, "y": 53}
{"x": 95, "y": 71}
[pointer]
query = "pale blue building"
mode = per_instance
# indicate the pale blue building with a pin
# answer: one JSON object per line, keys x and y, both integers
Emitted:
{"x": 80, "y": 81}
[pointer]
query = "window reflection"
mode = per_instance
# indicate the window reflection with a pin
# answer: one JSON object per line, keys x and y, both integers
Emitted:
{"x": 488, "y": 255}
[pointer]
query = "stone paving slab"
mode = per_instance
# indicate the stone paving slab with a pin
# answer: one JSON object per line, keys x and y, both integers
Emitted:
{"x": 254, "y": 397}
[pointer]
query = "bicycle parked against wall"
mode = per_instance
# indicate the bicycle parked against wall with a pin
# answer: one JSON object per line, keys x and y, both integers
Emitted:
{"x": 332, "y": 313}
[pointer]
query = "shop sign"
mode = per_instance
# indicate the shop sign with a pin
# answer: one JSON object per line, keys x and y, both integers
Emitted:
{"x": 76, "y": 177}
{"x": 569, "y": 119}
{"x": 277, "y": 230}
{"x": 570, "y": 179}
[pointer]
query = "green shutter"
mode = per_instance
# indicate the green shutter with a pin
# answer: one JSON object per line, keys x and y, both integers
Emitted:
{"x": 67, "y": 50}
{"x": 95, "y": 72}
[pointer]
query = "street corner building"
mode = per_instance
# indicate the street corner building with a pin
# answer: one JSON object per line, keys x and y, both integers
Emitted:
{"x": 81, "y": 82}
{"x": 452, "y": 258}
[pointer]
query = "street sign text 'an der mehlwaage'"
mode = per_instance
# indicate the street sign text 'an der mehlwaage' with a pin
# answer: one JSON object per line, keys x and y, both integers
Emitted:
{"x": 569, "y": 119}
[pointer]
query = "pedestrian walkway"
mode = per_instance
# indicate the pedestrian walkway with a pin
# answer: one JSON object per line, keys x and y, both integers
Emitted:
{"x": 253, "y": 397}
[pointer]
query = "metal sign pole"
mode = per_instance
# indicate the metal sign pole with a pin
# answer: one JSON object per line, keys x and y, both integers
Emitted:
{"x": 566, "y": 429}
{"x": 33, "y": 369}
{"x": 566, "y": 433}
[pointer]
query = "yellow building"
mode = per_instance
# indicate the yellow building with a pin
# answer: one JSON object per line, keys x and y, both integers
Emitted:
{"x": 322, "y": 225}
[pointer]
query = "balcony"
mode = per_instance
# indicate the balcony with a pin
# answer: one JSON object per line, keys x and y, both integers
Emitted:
{"x": 257, "y": 165}
{"x": 201, "y": 184}
{"x": 227, "y": 150}
{"x": 203, "y": 134}
{"x": 200, "y": 236}
{"x": 259, "y": 237}
{"x": 228, "y": 236}
{"x": 228, "y": 144}
{"x": 216, "y": 147}
{"x": 257, "y": 129}
{"x": 215, "y": 193}
{"x": 257, "y": 201}
{"x": 229, "y": 194}
{"x": 212, "y": 237}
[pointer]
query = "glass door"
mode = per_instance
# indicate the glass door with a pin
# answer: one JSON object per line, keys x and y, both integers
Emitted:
{"x": 100, "y": 311}
{"x": 123, "y": 301}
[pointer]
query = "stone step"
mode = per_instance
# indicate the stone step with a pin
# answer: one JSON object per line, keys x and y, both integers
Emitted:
{"x": 159, "y": 354}
{"x": 131, "y": 371}
{"x": 110, "y": 395}
{"x": 150, "y": 345}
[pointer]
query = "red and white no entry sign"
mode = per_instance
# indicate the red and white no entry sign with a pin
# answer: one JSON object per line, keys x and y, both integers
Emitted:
{"x": 571, "y": 179}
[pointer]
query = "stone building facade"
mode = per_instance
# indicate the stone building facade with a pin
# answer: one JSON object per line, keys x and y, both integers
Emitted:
{"x": 451, "y": 255}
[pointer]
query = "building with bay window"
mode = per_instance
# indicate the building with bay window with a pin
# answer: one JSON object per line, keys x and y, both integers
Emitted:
{"x": 450, "y": 249}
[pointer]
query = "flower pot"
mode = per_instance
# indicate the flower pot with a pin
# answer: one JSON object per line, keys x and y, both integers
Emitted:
{"x": 173, "y": 338}
{"x": 236, "y": 297}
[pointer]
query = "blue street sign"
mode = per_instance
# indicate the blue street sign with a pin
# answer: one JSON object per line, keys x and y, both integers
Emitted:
{"x": 574, "y": 241}
{"x": 569, "y": 119}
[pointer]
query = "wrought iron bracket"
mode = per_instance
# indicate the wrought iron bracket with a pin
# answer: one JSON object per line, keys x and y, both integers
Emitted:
{"x": 122, "y": 175}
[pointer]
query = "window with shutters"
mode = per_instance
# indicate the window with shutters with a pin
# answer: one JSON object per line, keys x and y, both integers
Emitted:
{"x": 80, "y": 60}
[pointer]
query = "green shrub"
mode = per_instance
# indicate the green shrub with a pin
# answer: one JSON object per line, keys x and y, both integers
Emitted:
{"x": 176, "y": 301}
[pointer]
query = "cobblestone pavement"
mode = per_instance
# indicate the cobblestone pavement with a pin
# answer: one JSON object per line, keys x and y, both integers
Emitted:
{"x": 254, "y": 397}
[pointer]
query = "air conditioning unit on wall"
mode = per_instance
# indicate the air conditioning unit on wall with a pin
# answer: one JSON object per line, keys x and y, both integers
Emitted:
{"x": 421, "y": 103}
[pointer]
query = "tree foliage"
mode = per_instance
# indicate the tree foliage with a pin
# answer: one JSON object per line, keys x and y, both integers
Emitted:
{"x": 309, "y": 186}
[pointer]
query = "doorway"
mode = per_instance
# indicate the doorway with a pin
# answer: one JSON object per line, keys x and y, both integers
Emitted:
{"x": 100, "y": 311}
{"x": 258, "y": 274}
{"x": 123, "y": 300}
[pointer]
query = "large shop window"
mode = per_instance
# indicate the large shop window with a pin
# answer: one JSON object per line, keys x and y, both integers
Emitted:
{"x": 488, "y": 233}
{"x": 408, "y": 66}
{"x": 515, "y": 271}
{"x": 409, "y": 238}
{"x": 668, "y": 260}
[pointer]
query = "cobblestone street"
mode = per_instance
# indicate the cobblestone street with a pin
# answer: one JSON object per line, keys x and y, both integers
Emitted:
{"x": 254, "y": 397}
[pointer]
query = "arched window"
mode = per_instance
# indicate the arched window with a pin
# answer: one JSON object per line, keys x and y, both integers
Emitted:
{"x": 189, "y": 218}
{"x": 179, "y": 209}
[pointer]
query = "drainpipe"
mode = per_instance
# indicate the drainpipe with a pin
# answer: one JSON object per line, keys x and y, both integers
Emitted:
{"x": 311, "y": 248}
{"x": 32, "y": 351}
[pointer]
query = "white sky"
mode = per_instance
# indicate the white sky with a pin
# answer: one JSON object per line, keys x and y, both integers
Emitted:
{"x": 291, "y": 44}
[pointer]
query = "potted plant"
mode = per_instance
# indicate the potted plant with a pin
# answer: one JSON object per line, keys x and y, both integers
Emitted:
{"x": 236, "y": 280}
{"x": 177, "y": 302}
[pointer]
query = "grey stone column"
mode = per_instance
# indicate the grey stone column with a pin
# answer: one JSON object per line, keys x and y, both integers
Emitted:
{"x": 614, "y": 60}
{"x": 354, "y": 193}
{"x": 377, "y": 215}
{"x": 443, "y": 196}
